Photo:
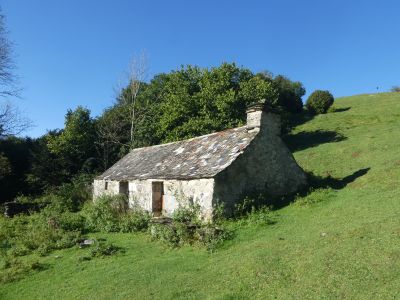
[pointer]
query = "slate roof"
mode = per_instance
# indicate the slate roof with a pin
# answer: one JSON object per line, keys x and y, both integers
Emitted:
{"x": 200, "y": 157}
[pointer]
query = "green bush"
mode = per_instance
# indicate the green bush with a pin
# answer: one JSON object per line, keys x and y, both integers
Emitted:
{"x": 111, "y": 214}
{"x": 188, "y": 214}
{"x": 319, "y": 102}
{"x": 135, "y": 220}
{"x": 69, "y": 221}
{"x": 101, "y": 215}
{"x": 212, "y": 236}
{"x": 165, "y": 233}
{"x": 187, "y": 228}
{"x": 22, "y": 235}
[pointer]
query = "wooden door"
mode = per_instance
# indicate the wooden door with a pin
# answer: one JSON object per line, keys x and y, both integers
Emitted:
{"x": 124, "y": 188}
{"x": 157, "y": 195}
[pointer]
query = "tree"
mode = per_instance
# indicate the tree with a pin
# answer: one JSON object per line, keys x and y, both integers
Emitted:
{"x": 15, "y": 161}
{"x": 199, "y": 101}
{"x": 47, "y": 169}
{"x": 136, "y": 75}
{"x": 188, "y": 102}
{"x": 75, "y": 144}
{"x": 113, "y": 137}
{"x": 11, "y": 121}
{"x": 290, "y": 93}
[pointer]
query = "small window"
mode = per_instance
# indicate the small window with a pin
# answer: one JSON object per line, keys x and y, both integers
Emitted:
{"x": 106, "y": 185}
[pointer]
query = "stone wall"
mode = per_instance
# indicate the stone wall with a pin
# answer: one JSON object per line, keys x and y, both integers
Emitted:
{"x": 99, "y": 188}
{"x": 176, "y": 192}
{"x": 266, "y": 165}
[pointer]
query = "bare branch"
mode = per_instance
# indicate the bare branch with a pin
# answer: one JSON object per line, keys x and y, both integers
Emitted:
{"x": 8, "y": 79}
{"x": 11, "y": 120}
{"x": 136, "y": 75}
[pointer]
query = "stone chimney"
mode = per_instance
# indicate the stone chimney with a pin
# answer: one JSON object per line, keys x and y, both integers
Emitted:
{"x": 254, "y": 113}
{"x": 260, "y": 117}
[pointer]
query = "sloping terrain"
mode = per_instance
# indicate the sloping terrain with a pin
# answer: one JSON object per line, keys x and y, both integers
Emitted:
{"x": 339, "y": 242}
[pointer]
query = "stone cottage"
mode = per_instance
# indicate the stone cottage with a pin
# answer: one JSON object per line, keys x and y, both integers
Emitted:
{"x": 215, "y": 168}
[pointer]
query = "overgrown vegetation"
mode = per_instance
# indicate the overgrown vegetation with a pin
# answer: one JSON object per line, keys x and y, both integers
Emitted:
{"x": 188, "y": 228}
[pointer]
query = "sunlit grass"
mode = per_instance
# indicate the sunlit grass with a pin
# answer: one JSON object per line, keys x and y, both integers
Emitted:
{"x": 332, "y": 243}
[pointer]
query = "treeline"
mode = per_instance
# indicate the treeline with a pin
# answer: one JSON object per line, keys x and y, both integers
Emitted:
{"x": 181, "y": 104}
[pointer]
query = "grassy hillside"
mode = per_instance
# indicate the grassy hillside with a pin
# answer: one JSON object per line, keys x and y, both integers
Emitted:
{"x": 334, "y": 243}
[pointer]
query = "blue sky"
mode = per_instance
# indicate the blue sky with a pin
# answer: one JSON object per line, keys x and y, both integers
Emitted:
{"x": 75, "y": 52}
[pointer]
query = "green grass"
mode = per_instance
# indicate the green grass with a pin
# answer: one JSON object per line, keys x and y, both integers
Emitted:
{"x": 331, "y": 244}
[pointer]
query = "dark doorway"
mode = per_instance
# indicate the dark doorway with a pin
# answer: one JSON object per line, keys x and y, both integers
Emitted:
{"x": 124, "y": 188}
{"x": 157, "y": 195}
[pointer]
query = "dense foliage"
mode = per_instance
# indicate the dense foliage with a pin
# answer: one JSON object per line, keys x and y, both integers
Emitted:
{"x": 319, "y": 102}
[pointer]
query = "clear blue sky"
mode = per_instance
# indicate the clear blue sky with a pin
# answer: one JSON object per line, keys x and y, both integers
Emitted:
{"x": 75, "y": 52}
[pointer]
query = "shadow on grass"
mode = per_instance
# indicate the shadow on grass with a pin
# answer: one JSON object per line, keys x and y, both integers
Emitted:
{"x": 290, "y": 121}
{"x": 342, "y": 109}
{"x": 318, "y": 182}
{"x": 308, "y": 139}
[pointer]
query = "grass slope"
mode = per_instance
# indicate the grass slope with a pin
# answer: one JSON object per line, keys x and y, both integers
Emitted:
{"x": 346, "y": 245}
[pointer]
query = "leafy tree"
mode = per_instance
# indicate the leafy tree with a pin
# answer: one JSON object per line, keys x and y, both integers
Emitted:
{"x": 47, "y": 168}
{"x": 199, "y": 101}
{"x": 188, "y": 102}
{"x": 75, "y": 144}
{"x": 290, "y": 93}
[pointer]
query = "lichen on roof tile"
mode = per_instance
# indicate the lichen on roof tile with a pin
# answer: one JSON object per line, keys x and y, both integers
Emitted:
{"x": 200, "y": 157}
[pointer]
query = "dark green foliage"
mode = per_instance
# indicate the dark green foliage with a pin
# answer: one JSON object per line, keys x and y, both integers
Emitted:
{"x": 15, "y": 161}
{"x": 319, "y": 102}
{"x": 46, "y": 169}
{"x": 290, "y": 93}
{"x": 5, "y": 167}
{"x": 75, "y": 144}
{"x": 76, "y": 192}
